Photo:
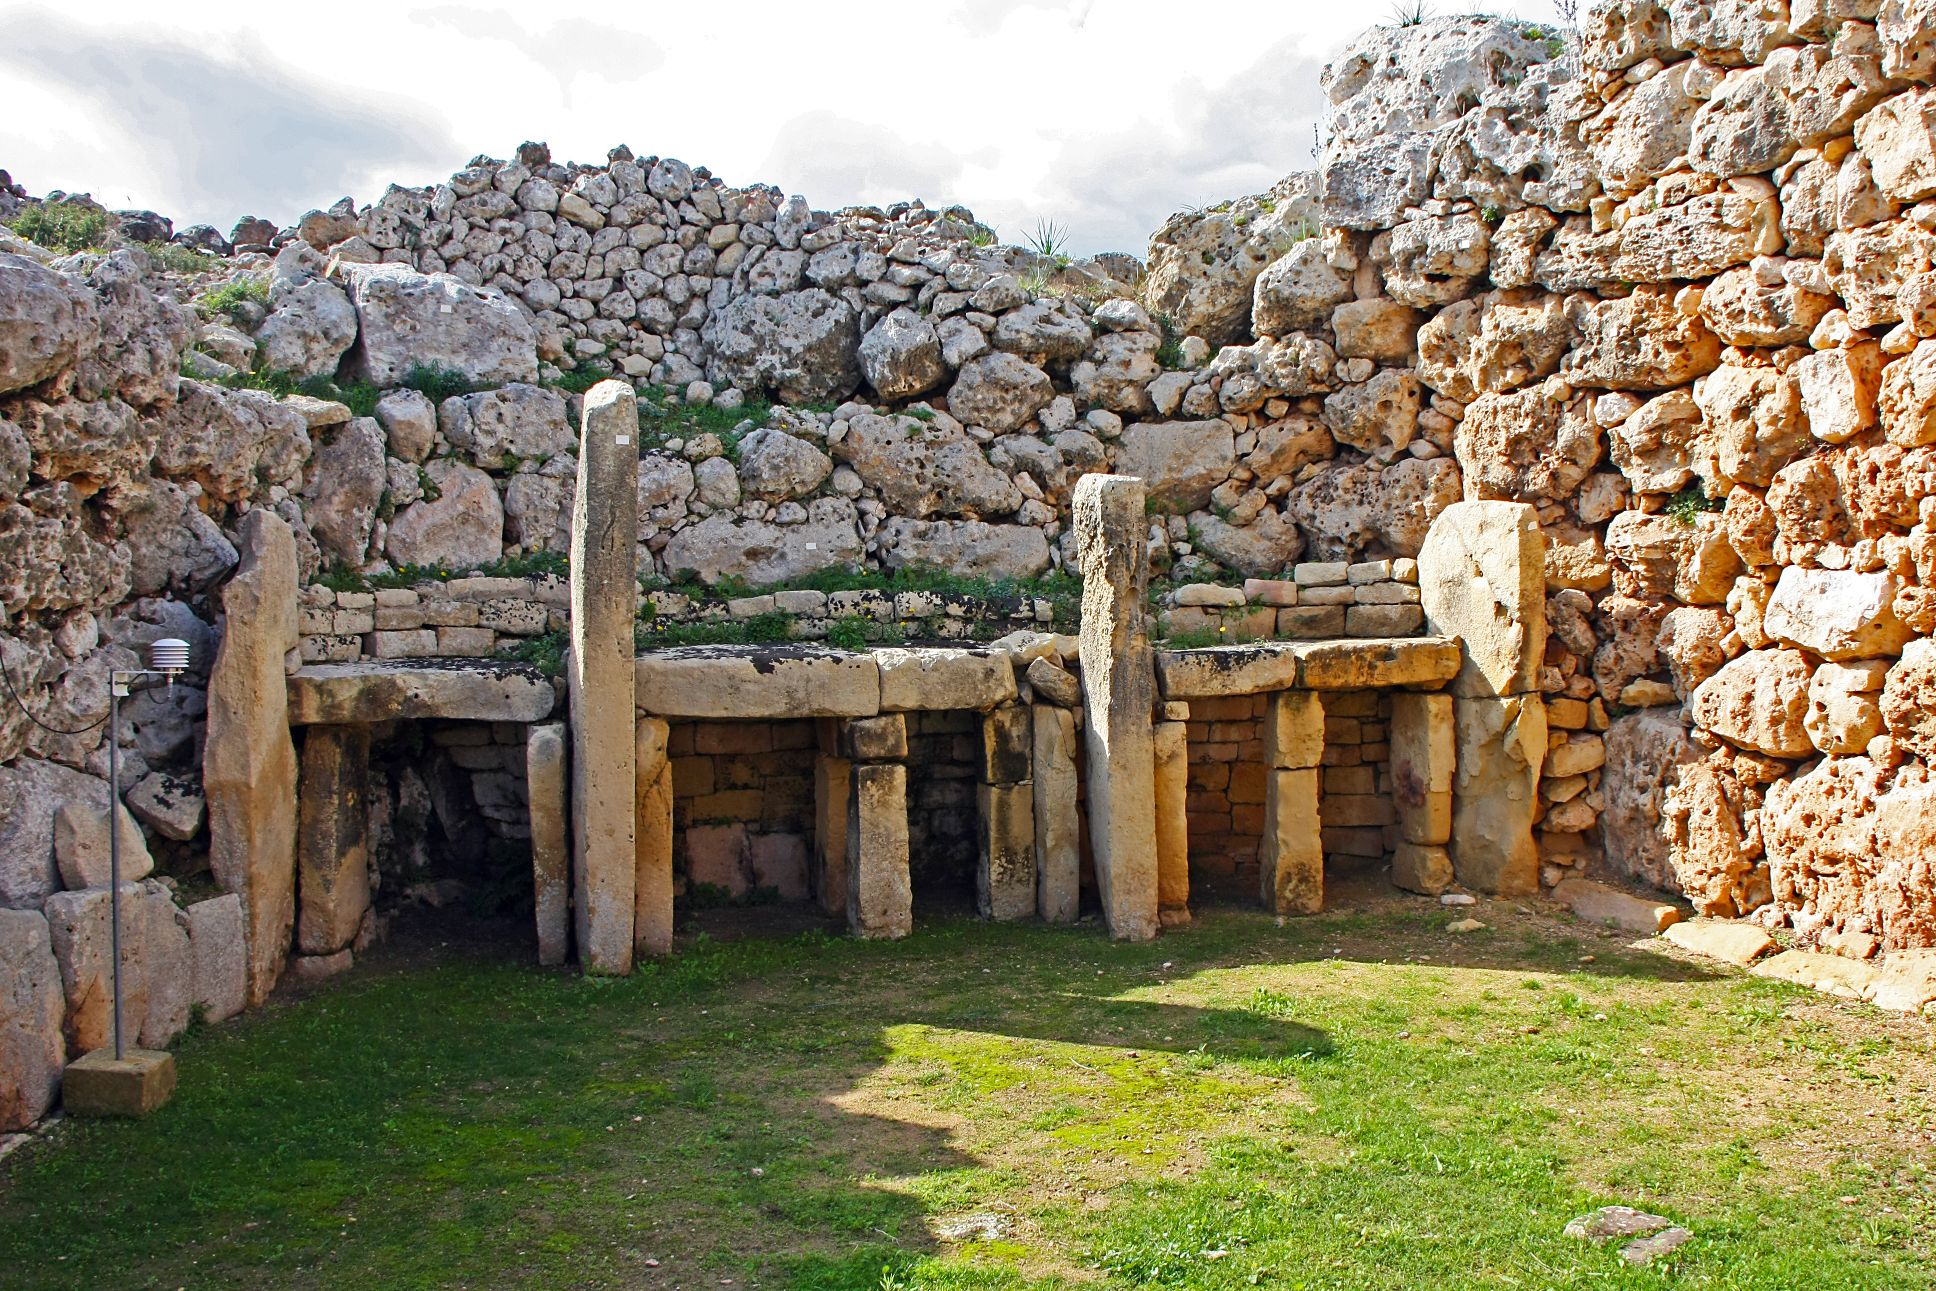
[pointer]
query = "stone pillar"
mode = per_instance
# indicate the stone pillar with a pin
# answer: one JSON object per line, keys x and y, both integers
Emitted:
{"x": 1058, "y": 828}
{"x": 544, "y": 777}
{"x": 333, "y": 843}
{"x": 249, "y": 761}
{"x": 652, "y": 885}
{"x": 880, "y": 897}
{"x": 604, "y": 593}
{"x": 1423, "y": 753}
{"x": 1118, "y": 691}
{"x": 832, "y": 782}
{"x": 1482, "y": 579}
{"x": 1005, "y": 815}
{"x": 1172, "y": 745}
{"x": 1292, "y": 851}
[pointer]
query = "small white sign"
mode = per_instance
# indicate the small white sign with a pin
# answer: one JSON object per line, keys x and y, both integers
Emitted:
{"x": 443, "y": 309}
{"x": 813, "y": 546}
{"x": 622, "y": 439}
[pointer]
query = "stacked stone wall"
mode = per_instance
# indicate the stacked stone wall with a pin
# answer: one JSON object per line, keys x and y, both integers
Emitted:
{"x": 743, "y": 808}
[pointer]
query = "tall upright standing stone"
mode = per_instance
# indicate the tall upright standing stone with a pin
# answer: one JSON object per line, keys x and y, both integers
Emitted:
{"x": 652, "y": 898}
{"x": 1172, "y": 745}
{"x": 1291, "y": 858}
{"x": 249, "y": 762}
{"x": 1118, "y": 692}
{"x": 1058, "y": 828}
{"x": 1482, "y": 579}
{"x": 832, "y": 783}
{"x": 880, "y": 893}
{"x": 333, "y": 843}
{"x": 1424, "y": 755}
{"x": 544, "y": 778}
{"x": 33, "y": 1047}
{"x": 604, "y": 756}
{"x": 1005, "y": 815}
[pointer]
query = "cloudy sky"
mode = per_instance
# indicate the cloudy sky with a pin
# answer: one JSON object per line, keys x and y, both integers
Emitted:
{"x": 1102, "y": 115}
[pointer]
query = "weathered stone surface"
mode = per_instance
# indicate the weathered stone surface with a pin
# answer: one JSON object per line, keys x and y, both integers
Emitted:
{"x": 1005, "y": 876}
{"x": 516, "y": 420}
{"x": 1525, "y": 445}
{"x": 1759, "y": 701}
{"x": 1056, "y": 685}
{"x": 346, "y": 480}
{"x": 156, "y": 973}
{"x": 1502, "y": 742}
{"x": 1744, "y": 310}
{"x": 967, "y": 547}
{"x": 1907, "y": 397}
{"x": 1117, "y": 372}
{"x": 1298, "y": 290}
{"x": 1369, "y": 662}
{"x": 1899, "y": 140}
{"x": 1837, "y": 613}
{"x": 1352, "y": 511}
{"x": 1179, "y": 462}
{"x": 406, "y": 319}
{"x": 832, "y": 787}
{"x": 1644, "y": 130}
{"x": 1424, "y": 747}
{"x": 938, "y": 679}
{"x": 1492, "y": 343}
{"x": 1203, "y": 265}
{"x": 601, "y": 678}
{"x": 46, "y": 318}
{"x": 1851, "y": 842}
{"x": 1839, "y": 390}
{"x": 1226, "y": 670}
{"x": 333, "y": 838}
{"x": 1753, "y": 421}
{"x": 1836, "y": 975}
{"x": 1267, "y": 546}
{"x": 879, "y": 893}
{"x": 1119, "y": 690}
{"x": 653, "y": 886}
{"x": 775, "y": 466}
{"x": 545, "y": 785}
{"x": 925, "y": 468}
{"x": 901, "y": 356}
{"x": 1845, "y": 706}
{"x": 1869, "y": 267}
{"x": 1659, "y": 446}
{"x": 1422, "y": 868}
{"x": 170, "y": 805}
{"x": 1379, "y": 417}
{"x": 1692, "y": 239}
{"x": 1598, "y": 903}
{"x": 728, "y": 682}
{"x": 999, "y": 391}
{"x": 32, "y": 1046}
{"x": 81, "y": 843}
{"x": 1909, "y": 699}
{"x": 218, "y": 951}
{"x": 311, "y": 324}
{"x": 249, "y": 764}
{"x": 763, "y": 554}
{"x": 1434, "y": 261}
{"x": 1733, "y": 943}
{"x": 803, "y": 346}
{"x": 1661, "y": 555}
{"x": 1482, "y": 580}
{"x": 1291, "y": 854}
{"x": 378, "y": 691}
{"x": 460, "y": 529}
{"x": 1639, "y": 342}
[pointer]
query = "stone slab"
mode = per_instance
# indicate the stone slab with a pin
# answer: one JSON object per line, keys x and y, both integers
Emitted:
{"x": 1733, "y": 943}
{"x": 752, "y": 682}
{"x": 135, "y": 1084}
{"x": 1848, "y": 979}
{"x": 652, "y": 894}
{"x": 1292, "y": 850}
{"x": 880, "y": 894}
{"x": 1598, "y": 903}
{"x": 1172, "y": 740}
{"x": 1058, "y": 829}
{"x": 477, "y": 690}
{"x": 1345, "y": 664}
{"x": 545, "y": 781}
{"x": 940, "y": 679}
{"x": 1005, "y": 859}
{"x": 333, "y": 840}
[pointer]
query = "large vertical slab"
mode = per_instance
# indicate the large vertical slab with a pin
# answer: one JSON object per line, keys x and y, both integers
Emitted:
{"x": 604, "y": 590}
{"x": 880, "y": 894}
{"x": 544, "y": 777}
{"x": 1424, "y": 752}
{"x": 333, "y": 844}
{"x": 33, "y": 1048}
{"x": 1172, "y": 745}
{"x": 1481, "y": 575}
{"x": 1058, "y": 831}
{"x": 832, "y": 783}
{"x": 1291, "y": 852}
{"x": 1005, "y": 865}
{"x": 652, "y": 884}
{"x": 1118, "y": 691}
{"x": 249, "y": 761}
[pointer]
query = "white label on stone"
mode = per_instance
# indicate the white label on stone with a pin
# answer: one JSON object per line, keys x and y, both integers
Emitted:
{"x": 443, "y": 309}
{"x": 621, "y": 439}
{"x": 813, "y": 546}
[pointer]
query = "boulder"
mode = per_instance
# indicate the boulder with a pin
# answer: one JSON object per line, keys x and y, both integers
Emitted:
{"x": 1909, "y": 699}
{"x": 1481, "y": 578}
{"x": 803, "y": 346}
{"x": 1117, "y": 372}
{"x": 999, "y": 391}
{"x": 1204, "y": 265}
{"x": 155, "y": 966}
{"x": 1378, "y": 417}
{"x": 1492, "y": 343}
{"x": 1845, "y": 706}
{"x": 1179, "y": 462}
{"x": 1663, "y": 555}
{"x": 32, "y": 793}
{"x": 346, "y": 480}
{"x": 407, "y": 320}
{"x": 81, "y": 844}
{"x": 1264, "y": 548}
{"x": 1839, "y": 390}
{"x": 32, "y": 1047}
{"x": 1298, "y": 290}
{"x": 311, "y": 325}
{"x": 1754, "y": 422}
{"x": 1907, "y": 397}
{"x": 775, "y": 466}
{"x": 1660, "y": 446}
{"x": 1744, "y": 310}
{"x": 966, "y": 547}
{"x": 1349, "y": 511}
{"x": 218, "y": 955}
{"x": 761, "y": 553}
{"x": 460, "y": 528}
{"x": 1899, "y": 140}
{"x": 170, "y": 805}
{"x": 1907, "y": 32}
{"x": 1850, "y": 844}
{"x": 1526, "y": 445}
{"x": 1837, "y": 613}
{"x": 46, "y": 319}
{"x": 409, "y": 422}
{"x": 901, "y": 356}
{"x": 1869, "y": 267}
{"x": 1047, "y": 329}
{"x": 515, "y": 421}
{"x": 1645, "y": 753}
{"x": 926, "y": 467}
{"x": 1759, "y": 701}
{"x": 1435, "y": 260}
{"x": 1639, "y": 342}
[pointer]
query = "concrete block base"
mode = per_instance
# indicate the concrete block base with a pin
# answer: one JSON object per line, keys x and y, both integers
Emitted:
{"x": 99, "y": 1084}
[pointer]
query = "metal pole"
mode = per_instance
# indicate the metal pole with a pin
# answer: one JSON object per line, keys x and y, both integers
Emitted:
{"x": 114, "y": 848}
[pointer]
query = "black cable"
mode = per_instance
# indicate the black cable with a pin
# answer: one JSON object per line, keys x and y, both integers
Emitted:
{"x": 21, "y": 705}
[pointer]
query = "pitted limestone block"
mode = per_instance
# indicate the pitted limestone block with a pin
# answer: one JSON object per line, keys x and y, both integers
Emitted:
{"x": 32, "y": 1048}
{"x": 1837, "y": 613}
{"x": 479, "y": 690}
{"x": 1421, "y": 867}
{"x": 929, "y": 680}
{"x": 1292, "y": 852}
{"x": 1226, "y": 670}
{"x": 1058, "y": 828}
{"x": 1424, "y": 749}
{"x": 1006, "y": 745}
{"x": 1172, "y": 742}
{"x": 1005, "y": 834}
{"x": 832, "y": 783}
{"x": 544, "y": 776}
{"x": 652, "y": 885}
{"x": 333, "y": 838}
{"x": 1501, "y": 745}
{"x": 219, "y": 955}
{"x": 1371, "y": 662}
{"x": 742, "y": 682}
{"x": 1482, "y": 580}
{"x": 1294, "y": 730}
{"x": 879, "y": 894}
{"x": 875, "y": 739}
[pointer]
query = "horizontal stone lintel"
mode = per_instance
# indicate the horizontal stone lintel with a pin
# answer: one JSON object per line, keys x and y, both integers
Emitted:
{"x": 775, "y": 682}
{"x": 349, "y": 694}
{"x": 1345, "y": 664}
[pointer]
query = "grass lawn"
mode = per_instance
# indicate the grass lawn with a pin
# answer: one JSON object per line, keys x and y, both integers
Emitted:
{"x": 1361, "y": 1100}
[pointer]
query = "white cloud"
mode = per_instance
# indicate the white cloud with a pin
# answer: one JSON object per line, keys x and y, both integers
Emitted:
{"x": 1104, "y": 115}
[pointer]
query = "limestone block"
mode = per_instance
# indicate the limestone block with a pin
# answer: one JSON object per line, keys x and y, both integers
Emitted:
{"x": 602, "y": 680}
{"x": 133, "y": 1085}
{"x": 1179, "y": 462}
{"x": 333, "y": 844}
{"x": 249, "y": 761}
{"x": 544, "y": 777}
{"x": 1058, "y": 830}
{"x": 875, "y": 739}
{"x": 742, "y": 682}
{"x": 1598, "y": 903}
{"x": 1734, "y": 943}
{"x": 1224, "y": 670}
{"x": 32, "y": 1047}
{"x": 1292, "y": 851}
{"x": 219, "y": 956}
{"x": 349, "y": 694}
{"x": 81, "y": 844}
{"x": 832, "y": 784}
{"x": 1371, "y": 662}
{"x": 1172, "y": 746}
{"x": 1424, "y": 749}
{"x": 652, "y": 882}
{"x": 1056, "y": 685}
{"x": 1909, "y": 699}
{"x": 1006, "y": 745}
{"x": 1294, "y": 730}
{"x": 879, "y": 894}
{"x": 1501, "y": 744}
{"x": 938, "y": 679}
{"x": 1835, "y": 975}
{"x": 1899, "y": 138}
{"x": 1759, "y": 701}
{"x": 1838, "y": 614}
{"x": 1119, "y": 692}
{"x": 1421, "y": 867}
{"x": 1005, "y": 877}
{"x": 156, "y": 973}
{"x": 407, "y": 318}
{"x": 1482, "y": 580}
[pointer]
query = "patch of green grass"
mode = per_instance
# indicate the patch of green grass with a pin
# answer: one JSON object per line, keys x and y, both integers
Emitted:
{"x": 360, "y": 397}
{"x": 1050, "y": 240}
{"x": 229, "y": 297}
{"x": 1238, "y": 1104}
{"x": 582, "y": 378}
{"x": 663, "y": 417}
{"x": 437, "y": 382}
{"x": 545, "y": 653}
{"x": 176, "y": 258}
{"x": 1691, "y": 503}
{"x": 1169, "y": 354}
{"x": 65, "y": 227}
